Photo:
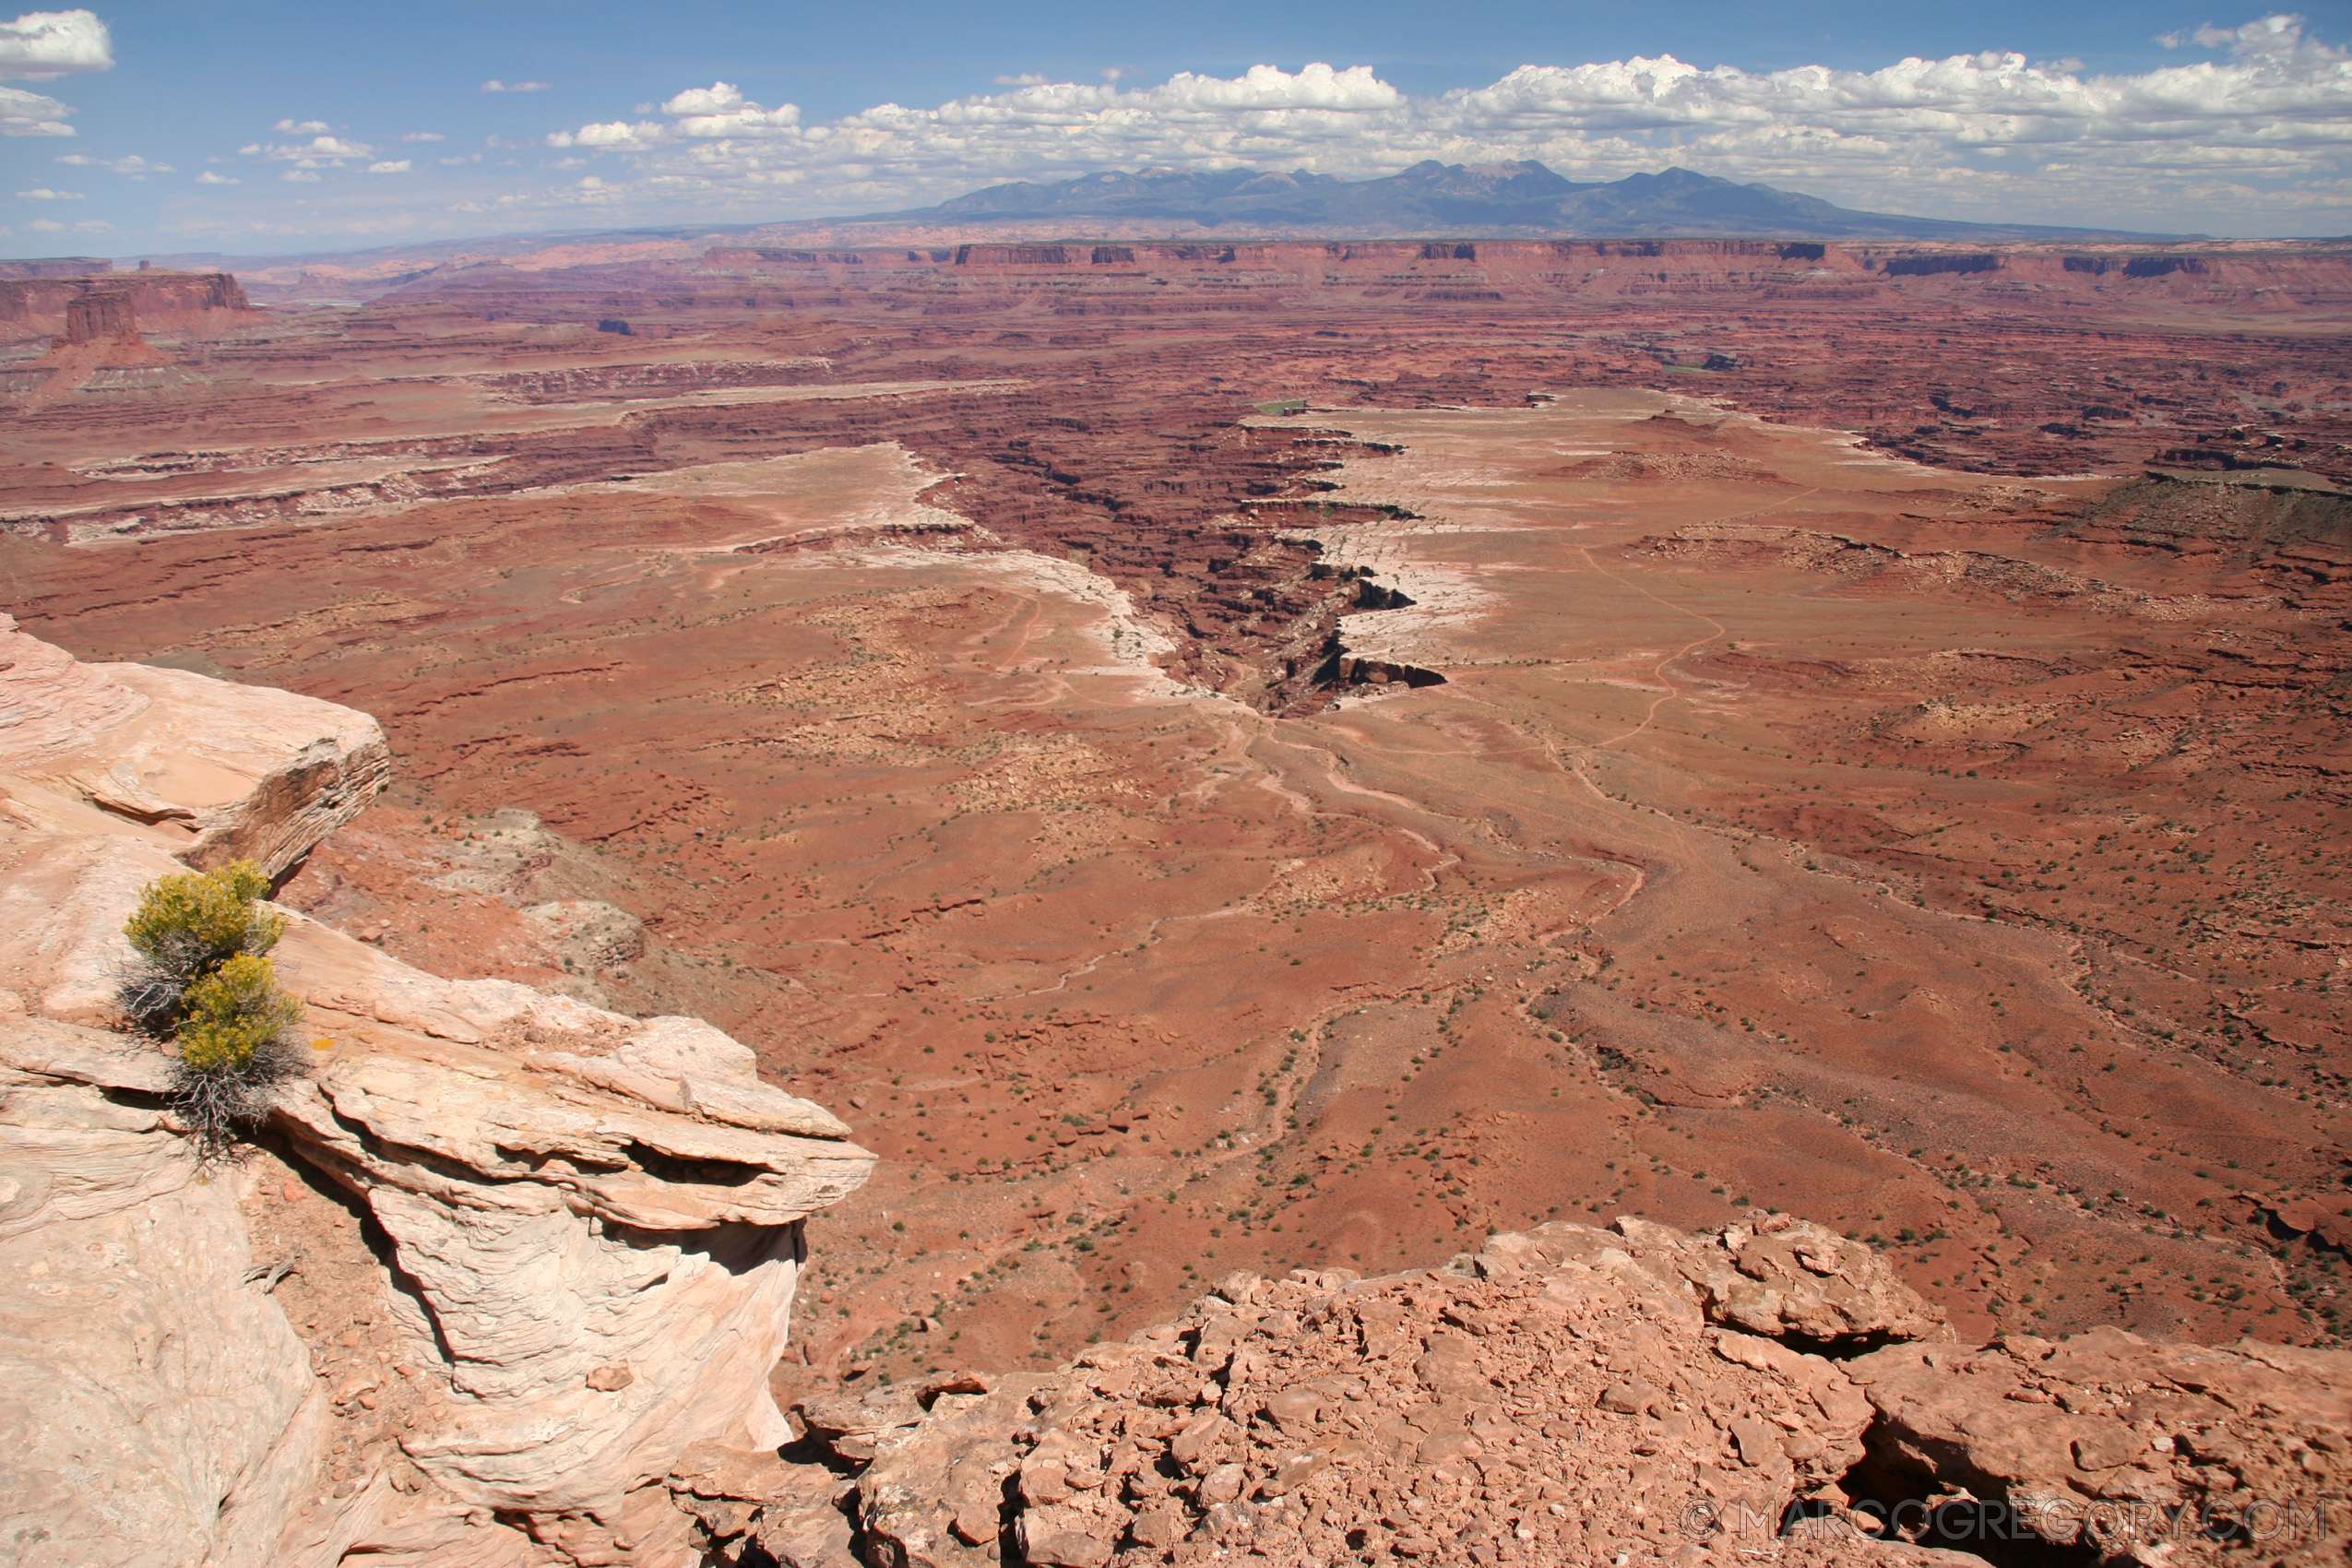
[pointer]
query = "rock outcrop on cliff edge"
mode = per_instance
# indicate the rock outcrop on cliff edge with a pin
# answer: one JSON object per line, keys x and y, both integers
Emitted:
{"x": 1568, "y": 1395}
{"x": 2128, "y": 1449}
{"x": 583, "y": 1229}
{"x": 111, "y": 774}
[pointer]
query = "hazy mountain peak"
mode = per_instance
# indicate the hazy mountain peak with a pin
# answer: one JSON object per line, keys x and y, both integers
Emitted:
{"x": 1515, "y": 198}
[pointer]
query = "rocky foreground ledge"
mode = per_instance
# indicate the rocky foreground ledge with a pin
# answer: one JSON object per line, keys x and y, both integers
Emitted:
{"x": 564, "y": 1242}
{"x": 1766, "y": 1393}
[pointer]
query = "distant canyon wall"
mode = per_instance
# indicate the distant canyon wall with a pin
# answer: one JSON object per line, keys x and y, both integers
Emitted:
{"x": 2199, "y": 270}
{"x": 107, "y": 303}
{"x": 1114, "y": 277}
{"x": 1114, "y": 256}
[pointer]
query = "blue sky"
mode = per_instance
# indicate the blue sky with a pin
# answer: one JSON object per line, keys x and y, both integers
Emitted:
{"x": 261, "y": 127}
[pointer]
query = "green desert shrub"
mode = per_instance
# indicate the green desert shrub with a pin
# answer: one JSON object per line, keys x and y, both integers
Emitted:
{"x": 197, "y": 920}
{"x": 200, "y": 980}
{"x": 233, "y": 1014}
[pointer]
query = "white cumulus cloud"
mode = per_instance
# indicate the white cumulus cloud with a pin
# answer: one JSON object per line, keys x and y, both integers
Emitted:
{"x": 42, "y": 44}
{"x": 210, "y": 178}
{"x": 390, "y": 166}
{"x": 716, "y": 99}
{"x": 423, "y": 136}
{"x": 301, "y": 127}
{"x": 701, "y": 113}
{"x": 133, "y": 165}
{"x": 42, "y": 192}
{"x": 308, "y": 154}
{"x": 2263, "y": 125}
{"x": 494, "y": 84}
{"x": 26, "y": 114}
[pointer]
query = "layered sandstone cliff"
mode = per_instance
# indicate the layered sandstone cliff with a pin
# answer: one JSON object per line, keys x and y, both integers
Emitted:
{"x": 41, "y": 305}
{"x": 576, "y": 1235}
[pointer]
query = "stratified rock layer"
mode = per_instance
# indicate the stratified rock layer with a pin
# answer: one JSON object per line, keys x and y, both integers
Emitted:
{"x": 159, "y": 1409}
{"x": 591, "y": 1223}
{"x": 111, "y": 774}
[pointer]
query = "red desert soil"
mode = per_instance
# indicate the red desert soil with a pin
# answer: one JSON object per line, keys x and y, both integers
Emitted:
{"x": 935, "y": 674}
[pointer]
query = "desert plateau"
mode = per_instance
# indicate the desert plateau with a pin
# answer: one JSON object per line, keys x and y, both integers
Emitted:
{"x": 1021, "y": 882}
{"x": 1310, "y": 760}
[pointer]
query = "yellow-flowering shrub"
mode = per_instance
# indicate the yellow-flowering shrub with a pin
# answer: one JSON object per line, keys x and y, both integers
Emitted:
{"x": 200, "y": 978}
{"x": 234, "y": 1014}
{"x": 195, "y": 920}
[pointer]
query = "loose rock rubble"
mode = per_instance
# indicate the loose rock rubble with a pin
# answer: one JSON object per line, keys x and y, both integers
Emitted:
{"x": 1566, "y": 1394}
{"x": 749, "y": 1501}
{"x": 1777, "y": 1276}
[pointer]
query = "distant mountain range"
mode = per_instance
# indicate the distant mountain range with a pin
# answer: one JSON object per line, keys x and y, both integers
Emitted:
{"x": 1522, "y": 199}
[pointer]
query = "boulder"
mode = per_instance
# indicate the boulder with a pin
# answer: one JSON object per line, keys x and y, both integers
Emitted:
{"x": 1788, "y": 1277}
{"x": 219, "y": 772}
{"x": 2143, "y": 1452}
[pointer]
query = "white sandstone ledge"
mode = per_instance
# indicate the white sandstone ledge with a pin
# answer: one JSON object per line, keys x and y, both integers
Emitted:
{"x": 595, "y": 1220}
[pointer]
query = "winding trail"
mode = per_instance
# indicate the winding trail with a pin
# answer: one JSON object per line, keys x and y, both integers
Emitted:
{"x": 1659, "y": 670}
